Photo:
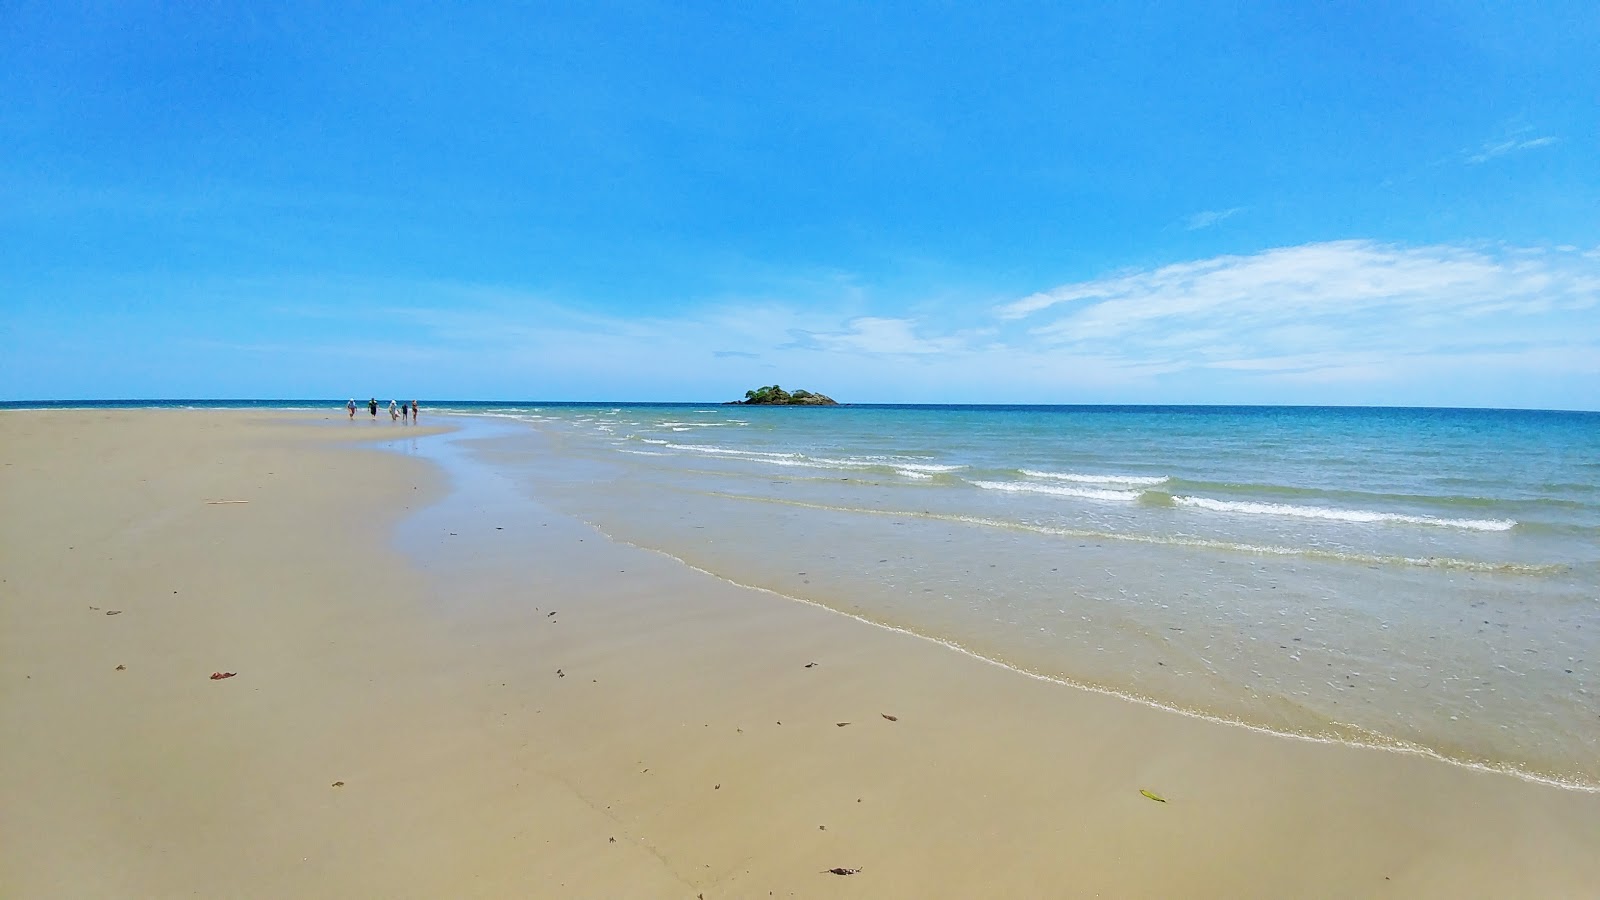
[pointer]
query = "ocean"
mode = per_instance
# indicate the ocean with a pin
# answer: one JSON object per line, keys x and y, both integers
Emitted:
{"x": 1423, "y": 580}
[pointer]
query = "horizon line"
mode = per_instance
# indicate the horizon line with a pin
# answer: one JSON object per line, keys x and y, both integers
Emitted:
{"x": 136, "y": 402}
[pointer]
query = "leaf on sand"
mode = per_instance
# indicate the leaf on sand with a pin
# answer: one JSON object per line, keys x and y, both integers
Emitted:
{"x": 840, "y": 870}
{"x": 218, "y": 676}
{"x": 841, "y": 724}
{"x": 338, "y": 784}
{"x": 889, "y": 717}
{"x": 122, "y": 668}
{"x": 1153, "y": 796}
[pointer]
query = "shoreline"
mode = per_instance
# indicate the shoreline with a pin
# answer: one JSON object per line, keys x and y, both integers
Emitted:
{"x": 497, "y": 749}
{"x": 752, "y": 534}
{"x": 1395, "y": 747}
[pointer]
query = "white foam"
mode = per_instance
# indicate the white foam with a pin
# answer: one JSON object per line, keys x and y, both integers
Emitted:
{"x": 1140, "y": 480}
{"x": 1340, "y": 515}
{"x": 729, "y": 451}
{"x": 934, "y": 468}
{"x": 1021, "y": 487}
{"x": 912, "y": 473}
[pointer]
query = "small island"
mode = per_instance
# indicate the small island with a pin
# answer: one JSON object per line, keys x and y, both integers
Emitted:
{"x": 772, "y": 395}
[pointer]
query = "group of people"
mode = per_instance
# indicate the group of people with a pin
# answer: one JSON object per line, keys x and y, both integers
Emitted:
{"x": 398, "y": 412}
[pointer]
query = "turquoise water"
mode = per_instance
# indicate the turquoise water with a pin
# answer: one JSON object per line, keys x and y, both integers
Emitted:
{"x": 1425, "y": 580}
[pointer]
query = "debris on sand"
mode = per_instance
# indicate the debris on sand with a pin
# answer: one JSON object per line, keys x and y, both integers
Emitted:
{"x": 113, "y": 612}
{"x": 1153, "y": 796}
{"x": 122, "y": 668}
{"x": 841, "y": 724}
{"x": 338, "y": 784}
{"x": 890, "y": 718}
{"x": 811, "y": 665}
{"x": 218, "y": 676}
{"x": 840, "y": 870}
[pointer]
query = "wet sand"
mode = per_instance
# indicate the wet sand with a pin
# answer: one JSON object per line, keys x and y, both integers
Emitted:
{"x": 409, "y": 719}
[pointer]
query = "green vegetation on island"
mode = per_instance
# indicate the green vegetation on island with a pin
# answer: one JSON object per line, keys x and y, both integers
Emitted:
{"x": 772, "y": 395}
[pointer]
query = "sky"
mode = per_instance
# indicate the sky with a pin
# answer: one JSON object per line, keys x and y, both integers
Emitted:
{"x": 1301, "y": 203}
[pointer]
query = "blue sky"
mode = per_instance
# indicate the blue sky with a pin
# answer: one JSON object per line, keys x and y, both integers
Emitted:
{"x": 1050, "y": 203}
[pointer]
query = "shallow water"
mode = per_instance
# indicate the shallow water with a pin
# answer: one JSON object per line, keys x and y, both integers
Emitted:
{"x": 1422, "y": 579}
{"x": 1419, "y": 579}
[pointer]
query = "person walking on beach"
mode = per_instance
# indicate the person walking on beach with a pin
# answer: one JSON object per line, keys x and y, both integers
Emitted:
{"x": 405, "y": 412}
{"x": 414, "y": 412}
{"x": 373, "y": 406}
{"x": 352, "y": 407}
{"x": 394, "y": 411}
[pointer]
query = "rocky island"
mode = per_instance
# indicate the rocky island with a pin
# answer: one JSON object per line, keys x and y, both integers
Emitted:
{"x": 772, "y": 395}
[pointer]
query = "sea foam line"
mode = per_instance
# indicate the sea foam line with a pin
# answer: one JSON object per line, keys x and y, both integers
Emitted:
{"x": 1021, "y": 487}
{"x": 1131, "y": 480}
{"x": 1424, "y": 562}
{"x": 1339, "y": 515}
{"x": 714, "y": 450}
{"x": 902, "y": 466}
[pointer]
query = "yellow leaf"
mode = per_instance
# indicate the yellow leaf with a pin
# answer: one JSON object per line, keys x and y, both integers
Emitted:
{"x": 1156, "y": 797}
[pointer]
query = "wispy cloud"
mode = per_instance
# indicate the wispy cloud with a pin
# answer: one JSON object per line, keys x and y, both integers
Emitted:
{"x": 1341, "y": 321}
{"x": 1358, "y": 310}
{"x": 1497, "y": 149}
{"x": 878, "y": 336}
{"x": 1208, "y": 218}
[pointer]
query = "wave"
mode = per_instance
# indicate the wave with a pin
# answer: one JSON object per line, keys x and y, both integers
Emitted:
{"x": 1136, "y": 480}
{"x": 713, "y": 450}
{"x": 1245, "y": 507}
{"x": 1510, "y": 493}
{"x": 1339, "y": 515}
{"x": 933, "y": 468}
{"x": 903, "y": 466}
{"x": 1022, "y": 487}
{"x": 1425, "y": 562}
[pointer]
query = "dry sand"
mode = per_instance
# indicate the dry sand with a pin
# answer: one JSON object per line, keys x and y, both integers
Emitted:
{"x": 422, "y": 674}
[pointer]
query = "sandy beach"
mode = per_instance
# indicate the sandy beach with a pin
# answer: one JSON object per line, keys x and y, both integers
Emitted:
{"x": 442, "y": 687}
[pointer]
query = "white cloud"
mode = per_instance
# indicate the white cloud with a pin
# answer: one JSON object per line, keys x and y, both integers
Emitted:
{"x": 1496, "y": 149}
{"x": 871, "y": 334}
{"x": 1210, "y": 217}
{"x": 1344, "y": 310}
{"x": 1343, "y": 321}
